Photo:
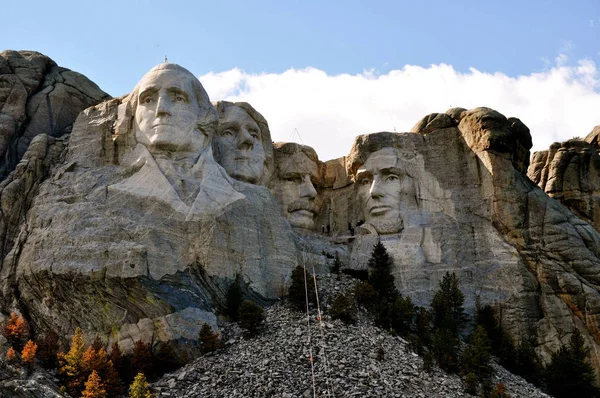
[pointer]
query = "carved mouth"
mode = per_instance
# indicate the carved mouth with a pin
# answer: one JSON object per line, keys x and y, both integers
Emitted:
{"x": 379, "y": 210}
{"x": 304, "y": 213}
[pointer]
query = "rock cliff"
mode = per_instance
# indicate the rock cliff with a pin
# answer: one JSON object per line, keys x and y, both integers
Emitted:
{"x": 129, "y": 228}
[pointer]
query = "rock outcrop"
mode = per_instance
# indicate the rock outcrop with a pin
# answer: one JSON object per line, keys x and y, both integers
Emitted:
{"x": 38, "y": 97}
{"x": 131, "y": 230}
{"x": 570, "y": 173}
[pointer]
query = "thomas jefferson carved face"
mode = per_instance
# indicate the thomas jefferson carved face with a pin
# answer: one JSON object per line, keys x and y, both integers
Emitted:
{"x": 167, "y": 112}
{"x": 294, "y": 189}
{"x": 381, "y": 184}
{"x": 238, "y": 145}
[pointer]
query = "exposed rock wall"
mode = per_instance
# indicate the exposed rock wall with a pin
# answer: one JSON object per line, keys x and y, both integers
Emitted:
{"x": 38, "y": 97}
{"x": 570, "y": 173}
{"x": 95, "y": 235}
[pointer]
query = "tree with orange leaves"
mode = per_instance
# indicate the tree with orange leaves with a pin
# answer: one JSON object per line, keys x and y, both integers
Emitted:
{"x": 94, "y": 387}
{"x": 71, "y": 364}
{"x": 16, "y": 331}
{"x": 28, "y": 354}
{"x": 11, "y": 355}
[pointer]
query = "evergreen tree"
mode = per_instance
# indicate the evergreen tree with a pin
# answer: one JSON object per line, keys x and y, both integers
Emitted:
{"x": 447, "y": 305}
{"x": 48, "y": 349}
{"x": 252, "y": 317}
{"x": 94, "y": 387}
{"x": 234, "y": 300}
{"x": 120, "y": 363}
{"x": 569, "y": 374}
{"x": 445, "y": 347}
{"x": 141, "y": 361}
{"x": 301, "y": 285}
{"x": 380, "y": 273}
{"x": 476, "y": 358}
{"x": 139, "y": 387}
{"x": 365, "y": 295}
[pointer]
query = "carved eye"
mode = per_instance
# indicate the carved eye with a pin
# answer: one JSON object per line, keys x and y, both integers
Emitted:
{"x": 295, "y": 180}
{"x": 179, "y": 98}
{"x": 254, "y": 134}
{"x": 226, "y": 133}
{"x": 392, "y": 177}
{"x": 365, "y": 181}
{"x": 146, "y": 100}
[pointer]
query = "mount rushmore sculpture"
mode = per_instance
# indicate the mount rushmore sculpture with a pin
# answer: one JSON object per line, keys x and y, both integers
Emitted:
{"x": 135, "y": 223}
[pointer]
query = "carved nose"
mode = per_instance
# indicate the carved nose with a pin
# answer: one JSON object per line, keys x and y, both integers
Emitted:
{"x": 245, "y": 140}
{"x": 376, "y": 191}
{"x": 163, "y": 106}
{"x": 307, "y": 189}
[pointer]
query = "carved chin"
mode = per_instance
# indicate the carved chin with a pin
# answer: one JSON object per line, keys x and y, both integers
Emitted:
{"x": 387, "y": 226}
{"x": 302, "y": 219}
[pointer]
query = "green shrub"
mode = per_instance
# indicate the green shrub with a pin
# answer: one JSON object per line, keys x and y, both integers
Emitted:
{"x": 342, "y": 307}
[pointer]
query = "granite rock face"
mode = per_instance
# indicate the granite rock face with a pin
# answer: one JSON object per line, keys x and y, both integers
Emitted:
{"x": 38, "y": 97}
{"x": 570, "y": 173}
{"x": 132, "y": 230}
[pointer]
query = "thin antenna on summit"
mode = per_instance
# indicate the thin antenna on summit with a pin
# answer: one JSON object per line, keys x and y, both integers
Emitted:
{"x": 166, "y": 60}
{"x": 298, "y": 134}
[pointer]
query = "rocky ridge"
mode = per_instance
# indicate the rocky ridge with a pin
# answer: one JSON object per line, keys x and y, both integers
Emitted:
{"x": 276, "y": 363}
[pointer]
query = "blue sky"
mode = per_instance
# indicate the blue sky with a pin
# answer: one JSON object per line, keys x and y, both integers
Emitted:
{"x": 115, "y": 43}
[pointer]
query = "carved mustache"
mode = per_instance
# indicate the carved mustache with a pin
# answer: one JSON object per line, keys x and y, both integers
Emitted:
{"x": 302, "y": 205}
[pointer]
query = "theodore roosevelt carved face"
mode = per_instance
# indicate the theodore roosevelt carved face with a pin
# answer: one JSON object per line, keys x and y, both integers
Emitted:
{"x": 294, "y": 184}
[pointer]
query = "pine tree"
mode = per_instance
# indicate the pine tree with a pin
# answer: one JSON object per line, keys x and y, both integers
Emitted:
{"x": 28, "y": 354}
{"x": 94, "y": 387}
{"x": 476, "y": 358}
{"x": 16, "y": 331}
{"x": 380, "y": 273}
{"x": 47, "y": 350}
{"x": 139, "y": 387}
{"x": 301, "y": 285}
{"x": 141, "y": 360}
{"x": 71, "y": 364}
{"x": 97, "y": 344}
{"x": 116, "y": 356}
{"x": 569, "y": 374}
{"x": 234, "y": 299}
{"x": 447, "y": 305}
{"x": 252, "y": 317}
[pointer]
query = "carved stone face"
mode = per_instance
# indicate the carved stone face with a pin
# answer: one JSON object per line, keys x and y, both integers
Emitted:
{"x": 381, "y": 184}
{"x": 295, "y": 191}
{"x": 167, "y": 112}
{"x": 239, "y": 147}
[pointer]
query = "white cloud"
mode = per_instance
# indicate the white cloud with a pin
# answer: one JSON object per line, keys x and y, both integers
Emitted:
{"x": 330, "y": 110}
